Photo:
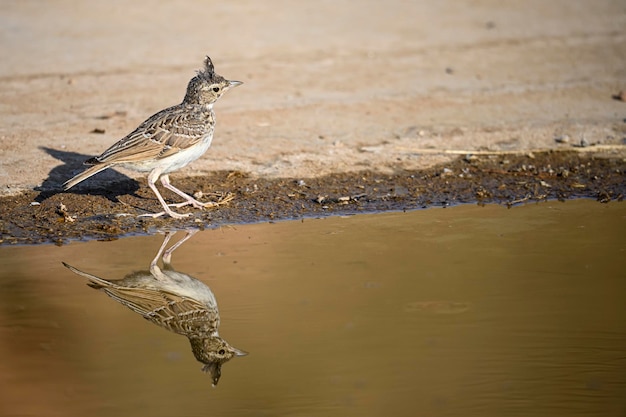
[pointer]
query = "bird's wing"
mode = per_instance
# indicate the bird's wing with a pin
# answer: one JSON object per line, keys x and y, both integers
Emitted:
{"x": 165, "y": 133}
{"x": 179, "y": 314}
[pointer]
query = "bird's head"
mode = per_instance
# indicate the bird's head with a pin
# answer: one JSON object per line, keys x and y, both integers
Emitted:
{"x": 207, "y": 86}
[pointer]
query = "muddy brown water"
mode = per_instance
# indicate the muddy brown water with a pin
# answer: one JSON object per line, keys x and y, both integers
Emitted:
{"x": 468, "y": 310}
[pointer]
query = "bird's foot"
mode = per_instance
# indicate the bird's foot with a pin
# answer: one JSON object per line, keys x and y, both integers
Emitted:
{"x": 200, "y": 205}
{"x": 169, "y": 212}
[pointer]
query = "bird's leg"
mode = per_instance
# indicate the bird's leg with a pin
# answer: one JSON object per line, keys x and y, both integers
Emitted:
{"x": 165, "y": 180}
{"x": 154, "y": 175}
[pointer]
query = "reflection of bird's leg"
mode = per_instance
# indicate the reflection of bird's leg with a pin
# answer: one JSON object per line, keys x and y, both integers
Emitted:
{"x": 166, "y": 240}
{"x": 167, "y": 256}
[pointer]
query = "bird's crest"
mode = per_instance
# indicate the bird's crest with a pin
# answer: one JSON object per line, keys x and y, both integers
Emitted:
{"x": 208, "y": 72}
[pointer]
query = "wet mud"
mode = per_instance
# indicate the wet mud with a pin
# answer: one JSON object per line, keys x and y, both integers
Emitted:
{"x": 53, "y": 216}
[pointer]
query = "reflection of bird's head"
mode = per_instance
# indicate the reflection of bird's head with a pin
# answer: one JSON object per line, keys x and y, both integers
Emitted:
{"x": 213, "y": 352}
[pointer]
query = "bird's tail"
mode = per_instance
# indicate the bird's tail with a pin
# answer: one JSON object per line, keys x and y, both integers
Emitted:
{"x": 94, "y": 281}
{"x": 84, "y": 175}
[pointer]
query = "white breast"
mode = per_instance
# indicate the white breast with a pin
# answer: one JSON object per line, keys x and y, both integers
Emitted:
{"x": 176, "y": 161}
{"x": 185, "y": 157}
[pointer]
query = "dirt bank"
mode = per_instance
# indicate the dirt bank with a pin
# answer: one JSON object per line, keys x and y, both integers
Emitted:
{"x": 112, "y": 211}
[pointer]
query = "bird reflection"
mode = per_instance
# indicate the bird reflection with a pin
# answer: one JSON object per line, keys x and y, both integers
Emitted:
{"x": 175, "y": 301}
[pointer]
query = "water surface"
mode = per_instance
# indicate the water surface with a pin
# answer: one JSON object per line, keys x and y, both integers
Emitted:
{"x": 469, "y": 310}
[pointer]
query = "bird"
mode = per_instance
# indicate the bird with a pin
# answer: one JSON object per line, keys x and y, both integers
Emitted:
{"x": 168, "y": 140}
{"x": 175, "y": 301}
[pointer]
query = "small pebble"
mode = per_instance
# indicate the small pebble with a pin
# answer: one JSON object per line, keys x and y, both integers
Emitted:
{"x": 621, "y": 96}
{"x": 562, "y": 139}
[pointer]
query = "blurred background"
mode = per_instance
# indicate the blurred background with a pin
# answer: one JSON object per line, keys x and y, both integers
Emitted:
{"x": 324, "y": 81}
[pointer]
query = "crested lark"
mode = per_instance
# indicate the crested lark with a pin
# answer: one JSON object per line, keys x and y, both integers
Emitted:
{"x": 169, "y": 140}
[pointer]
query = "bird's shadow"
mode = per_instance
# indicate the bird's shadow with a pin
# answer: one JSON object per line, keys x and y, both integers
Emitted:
{"x": 99, "y": 184}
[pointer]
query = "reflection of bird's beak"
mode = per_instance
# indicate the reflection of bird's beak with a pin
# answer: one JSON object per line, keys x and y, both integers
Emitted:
{"x": 233, "y": 84}
{"x": 239, "y": 352}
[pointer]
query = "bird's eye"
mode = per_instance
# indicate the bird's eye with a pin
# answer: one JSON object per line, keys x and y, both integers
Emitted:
{"x": 216, "y": 89}
{"x": 221, "y": 351}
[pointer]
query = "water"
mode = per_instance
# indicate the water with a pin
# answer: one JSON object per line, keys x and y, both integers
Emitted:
{"x": 480, "y": 311}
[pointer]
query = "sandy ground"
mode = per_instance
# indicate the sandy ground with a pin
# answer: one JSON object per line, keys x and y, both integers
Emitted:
{"x": 329, "y": 86}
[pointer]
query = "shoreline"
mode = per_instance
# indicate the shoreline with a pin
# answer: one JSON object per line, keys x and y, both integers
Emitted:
{"x": 93, "y": 211}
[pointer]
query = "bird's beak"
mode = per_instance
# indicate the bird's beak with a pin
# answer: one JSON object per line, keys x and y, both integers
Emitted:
{"x": 237, "y": 351}
{"x": 233, "y": 84}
